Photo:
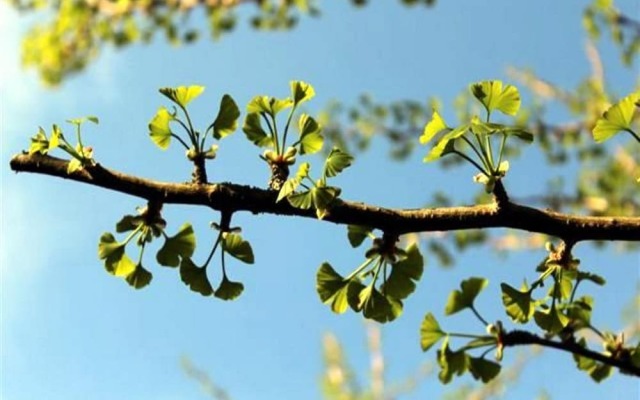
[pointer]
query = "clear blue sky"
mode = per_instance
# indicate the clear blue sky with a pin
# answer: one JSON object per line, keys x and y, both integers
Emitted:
{"x": 71, "y": 331}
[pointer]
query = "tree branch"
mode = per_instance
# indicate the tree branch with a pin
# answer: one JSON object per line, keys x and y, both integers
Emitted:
{"x": 233, "y": 197}
{"x": 518, "y": 338}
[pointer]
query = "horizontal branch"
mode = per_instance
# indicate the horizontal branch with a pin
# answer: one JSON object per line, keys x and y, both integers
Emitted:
{"x": 232, "y": 197}
{"x": 518, "y": 338}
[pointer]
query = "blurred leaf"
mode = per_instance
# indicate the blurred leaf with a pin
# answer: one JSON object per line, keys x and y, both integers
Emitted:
{"x": 451, "y": 363}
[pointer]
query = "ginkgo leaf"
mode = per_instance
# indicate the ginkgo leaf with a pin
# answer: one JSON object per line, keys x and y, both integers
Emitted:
{"x": 159, "y": 129}
{"x": 494, "y": 96}
{"x": 227, "y": 120}
{"x": 182, "y": 95}
{"x": 301, "y": 91}
{"x": 617, "y": 118}
{"x": 433, "y": 127}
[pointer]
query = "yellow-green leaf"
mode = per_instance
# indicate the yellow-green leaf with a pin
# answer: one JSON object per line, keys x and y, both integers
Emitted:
{"x": 617, "y": 118}
{"x": 433, "y": 127}
{"x": 494, "y": 96}
{"x": 159, "y": 129}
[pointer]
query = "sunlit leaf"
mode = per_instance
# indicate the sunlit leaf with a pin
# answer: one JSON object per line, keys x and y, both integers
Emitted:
{"x": 433, "y": 127}
{"x": 430, "y": 332}
{"x": 159, "y": 129}
{"x": 311, "y": 140}
{"x": 39, "y": 143}
{"x": 269, "y": 105}
{"x": 494, "y": 96}
{"x": 552, "y": 320}
{"x": 336, "y": 162}
{"x": 182, "y": 95}
{"x": 301, "y": 92}
{"x": 332, "y": 288}
{"x": 446, "y": 144}
{"x": 617, "y": 118}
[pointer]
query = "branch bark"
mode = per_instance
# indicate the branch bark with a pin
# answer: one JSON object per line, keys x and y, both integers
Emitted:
{"x": 518, "y": 338}
{"x": 232, "y": 197}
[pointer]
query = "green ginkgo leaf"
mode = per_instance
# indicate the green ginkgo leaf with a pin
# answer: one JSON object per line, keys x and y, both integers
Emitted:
{"x": 252, "y": 128}
{"x": 433, "y": 127}
{"x": 430, "y": 332}
{"x": 336, "y": 162}
{"x": 195, "y": 277}
{"x": 39, "y": 143}
{"x": 181, "y": 245}
{"x": 552, "y": 320}
{"x": 401, "y": 282}
{"x": 464, "y": 298}
{"x": 446, "y": 144}
{"x": 378, "y": 307}
{"x": 518, "y": 305}
{"x": 332, "y": 288}
{"x": 139, "y": 278}
{"x": 617, "y": 118}
{"x": 116, "y": 261}
{"x": 494, "y": 96}
{"x": 159, "y": 129}
{"x": 227, "y": 120}
{"x": 269, "y": 105}
{"x": 82, "y": 120}
{"x": 108, "y": 246}
{"x": 229, "y": 290}
{"x": 237, "y": 247}
{"x": 301, "y": 92}
{"x": 357, "y": 234}
{"x": 482, "y": 369}
{"x": 311, "y": 140}
{"x": 182, "y": 95}
{"x": 451, "y": 363}
{"x": 129, "y": 223}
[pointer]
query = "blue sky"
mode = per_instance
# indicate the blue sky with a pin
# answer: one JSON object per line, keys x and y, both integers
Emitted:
{"x": 72, "y": 331}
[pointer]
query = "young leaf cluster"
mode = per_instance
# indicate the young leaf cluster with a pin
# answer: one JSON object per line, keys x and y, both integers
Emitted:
{"x": 478, "y": 135}
{"x": 80, "y": 154}
{"x": 391, "y": 272}
{"x": 195, "y": 143}
{"x": 176, "y": 251}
